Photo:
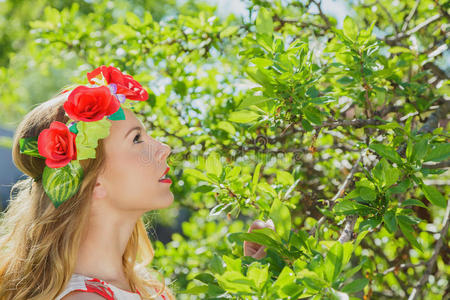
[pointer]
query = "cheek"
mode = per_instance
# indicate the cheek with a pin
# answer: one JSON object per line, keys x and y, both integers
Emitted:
{"x": 133, "y": 175}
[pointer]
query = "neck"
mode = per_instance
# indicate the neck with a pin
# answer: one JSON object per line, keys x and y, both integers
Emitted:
{"x": 103, "y": 245}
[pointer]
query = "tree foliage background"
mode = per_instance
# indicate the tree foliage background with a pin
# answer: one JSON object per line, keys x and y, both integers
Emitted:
{"x": 337, "y": 130}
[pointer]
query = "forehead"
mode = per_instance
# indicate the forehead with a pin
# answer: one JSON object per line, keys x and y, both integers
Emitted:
{"x": 120, "y": 127}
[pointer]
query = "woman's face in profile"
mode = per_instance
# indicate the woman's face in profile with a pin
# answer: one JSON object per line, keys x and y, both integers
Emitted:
{"x": 134, "y": 165}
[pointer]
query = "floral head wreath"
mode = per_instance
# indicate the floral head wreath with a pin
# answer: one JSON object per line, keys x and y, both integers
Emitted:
{"x": 88, "y": 107}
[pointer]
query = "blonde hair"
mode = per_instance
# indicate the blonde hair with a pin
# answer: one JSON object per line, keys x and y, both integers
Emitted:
{"x": 39, "y": 244}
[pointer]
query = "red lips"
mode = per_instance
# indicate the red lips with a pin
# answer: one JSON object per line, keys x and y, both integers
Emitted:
{"x": 166, "y": 180}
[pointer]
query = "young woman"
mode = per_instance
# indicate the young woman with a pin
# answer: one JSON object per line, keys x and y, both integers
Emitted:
{"x": 74, "y": 229}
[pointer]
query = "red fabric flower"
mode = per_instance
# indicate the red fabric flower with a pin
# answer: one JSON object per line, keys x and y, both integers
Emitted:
{"x": 57, "y": 144}
{"x": 126, "y": 85}
{"x": 90, "y": 103}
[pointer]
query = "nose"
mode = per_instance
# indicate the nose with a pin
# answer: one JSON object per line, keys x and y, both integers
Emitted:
{"x": 165, "y": 151}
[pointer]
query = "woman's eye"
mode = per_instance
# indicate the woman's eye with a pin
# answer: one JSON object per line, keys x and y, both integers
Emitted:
{"x": 136, "y": 139}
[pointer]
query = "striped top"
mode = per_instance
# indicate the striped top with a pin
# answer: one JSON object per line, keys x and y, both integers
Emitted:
{"x": 82, "y": 283}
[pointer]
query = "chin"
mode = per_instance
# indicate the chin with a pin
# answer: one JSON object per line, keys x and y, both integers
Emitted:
{"x": 164, "y": 201}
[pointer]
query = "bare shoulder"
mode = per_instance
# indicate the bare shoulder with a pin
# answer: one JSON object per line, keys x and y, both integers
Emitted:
{"x": 76, "y": 295}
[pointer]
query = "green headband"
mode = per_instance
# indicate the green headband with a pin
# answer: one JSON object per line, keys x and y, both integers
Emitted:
{"x": 88, "y": 107}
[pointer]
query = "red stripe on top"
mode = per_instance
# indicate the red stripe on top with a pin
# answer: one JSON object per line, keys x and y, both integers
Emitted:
{"x": 97, "y": 286}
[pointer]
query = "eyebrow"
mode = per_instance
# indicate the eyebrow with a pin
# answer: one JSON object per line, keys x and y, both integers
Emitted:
{"x": 134, "y": 128}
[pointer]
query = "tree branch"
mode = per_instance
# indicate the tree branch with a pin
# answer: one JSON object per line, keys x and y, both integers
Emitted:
{"x": 322, "y": 15}
{"x": 410, "y": 16}
{"x": 431, "y": 123}
{"x": 340, "y": 192}
{"x": 394, "y": 39}
{"x": 441, "y": 165}
{"x": 437, "y": 248}
{"x": 389, "y": 15}
{"x": 403, "y": 266}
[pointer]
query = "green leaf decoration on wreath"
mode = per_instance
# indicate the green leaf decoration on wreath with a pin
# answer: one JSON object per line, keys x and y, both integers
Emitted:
{"x": 118, "y": 115}
{"x": 73, "y": 128}
{"x": 88, "y": 135}
{"x": 62, "y": 183}
{"x": 29, "y": 146}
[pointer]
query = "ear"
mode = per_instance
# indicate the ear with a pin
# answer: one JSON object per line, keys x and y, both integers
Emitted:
{"x": 99, "y": 189}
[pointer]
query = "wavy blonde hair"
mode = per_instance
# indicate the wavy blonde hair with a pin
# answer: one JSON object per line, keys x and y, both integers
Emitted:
{"x": 39, "y": 244}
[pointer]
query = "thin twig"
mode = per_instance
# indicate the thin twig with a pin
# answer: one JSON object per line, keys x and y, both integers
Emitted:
{"x": 410, "y": 15}
{"x": 393, "y": 39}
{"x": 322, "y": 15}
{"x": 403, "y": 266}
{"x": 389, "y": 15}
{"x": 340, "y": 192}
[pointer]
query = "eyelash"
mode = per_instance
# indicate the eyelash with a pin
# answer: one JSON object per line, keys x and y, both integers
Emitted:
{"x": 137, "y": 135}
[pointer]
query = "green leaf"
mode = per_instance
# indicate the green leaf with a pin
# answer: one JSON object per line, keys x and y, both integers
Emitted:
{"x": 313, "y": 114}
{"x": 261, "y": 63}
{"x": 307, "y": 125}
{"x": 62, "y": 183}
{"x": 233, "y": 173}
{"x": 258, "y": 75}
{"x": 387, "y": 152}
{"x": 408, "y": 232}
{"x": 401, "y": 187}
{"x": 285, "y": 278}
{"x": 73, "y": 128}
{"x": 415, "y": 202}
{"x": 345, "y": 80}
{"x": 243, "y": 116}
{"x": 256, "y": 177}
{"x": 259, "y": 274}
{"x": 281, "y": 217}
{"x": 205, "y": 278}
{"x": 133, "y": 20}
{"x": 217, "y": 265}
{"x": 203, "y": 189}
{"x": 264, "y": 236}
{"x": 253, "y": 100}
{"x": 433, "y": 195}
{"x": 235, "y": 282}
{"x": 345, "y": 207}
{"x": 88, "y": 135}
{"x": 347, "y": 250}
{"x": 29, "y": 146}
{"x": 355, "y": 286}
{"x": 369, "y": 224}
{"x": 196, "y": 174}
{"x": 438, "y": 152}
{"x": 265, "y": 41}
{"x": 333, "y": 262}
{"x": 284, "y": 178}
{"x": 228, "y": 31}
{"x": 367, "y": 193}
{"x": 385, "y": 174}
{"x": 213, "y": 164}
{"x": 118, "y": 115}
{"x": 311, "y": 279}
{"x": 264, "y": 23}
{"x": 390, "y": 221}
{"x": 350, "y": 29}
{"x": 122, "y": 31}
{"x": 195, "y": 290}
{"x": 233, "y": 264}
{"x": 226, "y": 126}
{"x": 265, "y": 187}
